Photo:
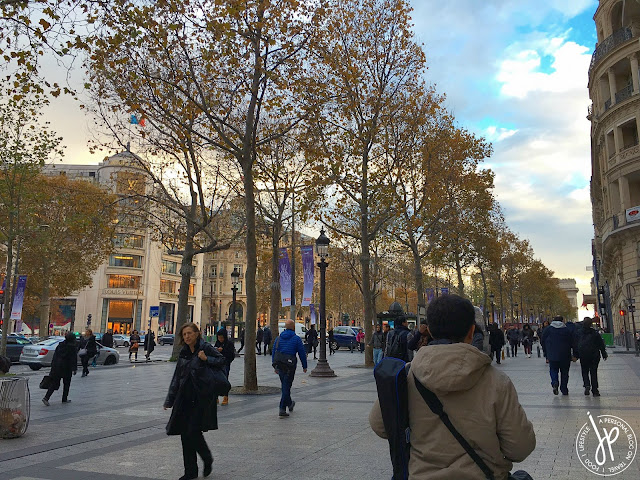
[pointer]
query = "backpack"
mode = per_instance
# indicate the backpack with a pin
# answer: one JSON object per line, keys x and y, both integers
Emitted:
{"x": 393, "y": 395}
{"x": 397, "y": 348}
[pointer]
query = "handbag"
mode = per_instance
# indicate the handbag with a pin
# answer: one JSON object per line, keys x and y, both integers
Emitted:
{"x": 45, "y": 383}
{"x": 82, "y": 352}
{"x": 283, "y": 361}
{"x": 210, "y": 380}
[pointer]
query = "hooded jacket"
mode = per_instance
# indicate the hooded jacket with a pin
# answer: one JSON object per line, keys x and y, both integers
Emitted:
{"x": 228, "y": 352}
{"x": 495, "y": 426}
{"x": 557, "y": 342}
{"x": 290, "y": 343}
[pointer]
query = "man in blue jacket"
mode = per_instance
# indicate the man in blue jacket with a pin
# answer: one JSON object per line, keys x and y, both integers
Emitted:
{"x": 558, "y": 345}
{"x": 283, "y": 358}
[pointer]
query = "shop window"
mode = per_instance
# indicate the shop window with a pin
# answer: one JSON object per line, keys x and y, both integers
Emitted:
{"x": 122, "y": 260}
{"x": 124, "y": 281}
{"x": 125, "y": 240}
{"x": 169, "y": 267}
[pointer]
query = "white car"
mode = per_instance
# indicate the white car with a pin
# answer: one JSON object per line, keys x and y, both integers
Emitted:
{"x": 301, "y": 330}
{"x": 41, "y": 354}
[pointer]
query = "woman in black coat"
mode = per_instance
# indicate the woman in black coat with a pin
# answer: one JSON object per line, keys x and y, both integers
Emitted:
{"x": 192, "y": 413}
{"x": 225, "y": 347}
{"x": 149, "y": 344}
{"x": 496, "y": 340}
{"x": 88, "y": 343}
{"x": 63, "y": 365}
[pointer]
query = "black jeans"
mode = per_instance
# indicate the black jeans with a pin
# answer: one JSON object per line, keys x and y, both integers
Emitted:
{"x": 266, "y": 347}
{"x": 241, "y": 344}
{"x": 84, "y": 359}
{"x": 590, "y": 368}
{"x": 514, "y": 349}
{"x": 286, "y": 381}
{"x": 66, "y": 383}
{"x": 498, "y": 353}
{"x": 193, "y": 443}
{"x": 258, "y": 345}
{"x": 563, "y": 368}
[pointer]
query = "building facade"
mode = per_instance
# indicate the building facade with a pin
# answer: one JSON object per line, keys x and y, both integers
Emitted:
{"x": 569, "y": 287}
{"x": 614, "y": 87}
{"x": 140, "y": 273}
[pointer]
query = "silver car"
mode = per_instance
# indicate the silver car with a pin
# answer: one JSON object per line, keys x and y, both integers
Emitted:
{"x": 41, "y": 354}
{"x": 120, "y": 340}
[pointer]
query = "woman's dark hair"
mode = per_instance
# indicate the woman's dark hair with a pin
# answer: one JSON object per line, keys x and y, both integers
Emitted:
{"x": 70, "y": 338}
{"x": 450, "y": 317}
{"x": 193, "y": 328}
{"x": 223, "y": 332}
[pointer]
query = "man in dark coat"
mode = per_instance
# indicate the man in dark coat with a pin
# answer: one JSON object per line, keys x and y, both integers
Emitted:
{"x": 107, "y": 339}
{"x": 557, "y": 343}
{"x": 266, "y": 339}
{"x": 288, "y": 344}
{"x": 259, "y": 337}
{"x": 513, "y": 335}
{"x": 496, "y": 341}
{"x": 88, "y": 343}
{"x": 311, "y": 337}
{"x": 397, "y": 340}
{"x": 149, "y": 344}
{"x": 63, "y": 365}
{"x": 590, "y": 346}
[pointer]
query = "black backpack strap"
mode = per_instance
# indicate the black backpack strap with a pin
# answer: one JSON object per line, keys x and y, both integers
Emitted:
{"x": 436, "y": 407}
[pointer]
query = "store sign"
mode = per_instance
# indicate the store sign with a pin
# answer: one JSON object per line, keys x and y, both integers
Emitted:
{"x": 120, "y": 291}
{"x": 633, "y": 214}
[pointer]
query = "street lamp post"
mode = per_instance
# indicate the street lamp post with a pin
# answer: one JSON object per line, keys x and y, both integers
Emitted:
{"x": 632, "y": 309}
{"x": 234, "y": 282}
{"x": 517, "y": 317}
{"x": 492, "y": 297}
{"x": 322, "y": 368}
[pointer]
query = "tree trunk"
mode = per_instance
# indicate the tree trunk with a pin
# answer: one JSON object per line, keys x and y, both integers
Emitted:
{"x": 459, "y": 274}
{"x": 274, "y": 308}
{"x": 45, "y": 301}
{"x": 365, "y": 263}
{"x": 186, "y": 267}
{"x": 417, "y": 274}
{"x": 7, "y": 290}
{"x": 250, "y": 374}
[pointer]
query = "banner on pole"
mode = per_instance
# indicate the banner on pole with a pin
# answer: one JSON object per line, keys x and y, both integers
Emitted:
{"x": 444, "y": 291}
{"x": 285, "y": 278}
{"x": 431, "y": 293}
{"x": 18, "y": 299}
{"x": 312, "y": 313}
{"x": 307, "y": 270}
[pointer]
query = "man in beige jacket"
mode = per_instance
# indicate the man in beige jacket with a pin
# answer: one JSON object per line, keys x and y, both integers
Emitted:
{"x": 480, "y": 400}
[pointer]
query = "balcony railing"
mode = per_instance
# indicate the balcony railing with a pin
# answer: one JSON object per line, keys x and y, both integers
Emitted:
{"x": 607, "y": 105}
{"x": 625, "y": 93}
{"x": 609, "y": 44}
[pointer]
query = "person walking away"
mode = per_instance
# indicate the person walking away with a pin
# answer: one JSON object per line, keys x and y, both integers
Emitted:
{"x": 478, "y": 338}
{"x": 225, "y": 347}
{"x": 149, "y": 344}
{"x": 376, "y": 342}
{"x": 107, "y": 339}
{"x": 311, "y": 337}
{"x": 63, "y": 365}
{"x": 496, "y": 341}
{"x": 397, "y": 340}
{"x": 134, "y": 344}
{"x": 286, "y": 346}
{"x": 514, "y": 338}
{"x": 589, "y": 348}
{"x": 266, "y": 339}
{"x": 88, "y": 350}
{"x": 385, "y": 332}
{"x": 527, "y": 340}
{"x": 558, "y": 346}
{"x": 360, "y": 340}
{"x": 259, "y": 337}
{"x": 331, "y": 350}
{"x": 192, "y": 413}
{"x": 460, "y": 374}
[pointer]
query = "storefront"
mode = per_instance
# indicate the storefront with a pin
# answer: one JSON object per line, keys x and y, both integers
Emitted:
{"x": 120, "y": 316}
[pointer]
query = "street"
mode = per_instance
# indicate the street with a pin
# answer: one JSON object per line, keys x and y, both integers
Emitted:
{"x": 114, "y": 427}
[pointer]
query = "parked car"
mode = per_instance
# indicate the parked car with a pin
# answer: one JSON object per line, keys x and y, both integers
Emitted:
{"x": 15, "y": 344}
{"x": 345, "y": 336}
{"x": 41, "y": 354}
{"x": 120, "y": 340}
{"x": 301, "y": 330}
{"x": 166, "y": 339}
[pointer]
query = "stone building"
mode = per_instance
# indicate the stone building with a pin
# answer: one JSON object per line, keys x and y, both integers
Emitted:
{"x": 614, "y": 88}
{"x": 569, "y": 287}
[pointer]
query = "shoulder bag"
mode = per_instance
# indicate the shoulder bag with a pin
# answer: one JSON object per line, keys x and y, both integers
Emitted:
{"x": 282, "y": 361}
{"x": 211, "y": 379}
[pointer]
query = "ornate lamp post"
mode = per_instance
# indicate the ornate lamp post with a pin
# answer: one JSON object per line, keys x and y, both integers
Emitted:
{"x": 235, "y": 275}
{"x": 322, "y": 368}
{"x": 492, "y": 297}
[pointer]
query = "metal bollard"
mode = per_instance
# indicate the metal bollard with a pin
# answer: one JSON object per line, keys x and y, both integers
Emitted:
{"x": 538, "y": 351}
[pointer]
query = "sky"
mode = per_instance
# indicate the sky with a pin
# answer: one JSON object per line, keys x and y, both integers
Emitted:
{"x": 514, "y": 72}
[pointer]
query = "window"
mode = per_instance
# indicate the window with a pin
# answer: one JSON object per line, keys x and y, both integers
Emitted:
{"x": 169, "y": 267}
{"x": 192, "y": 289}
{"x": 122, "y": 260}
{"x": 168, "y": 286}
{"x": 126, "y": 240}
{"x": 237, "y": 254}
{"x": 239, "y": 287}
{"x": 214, "y": 270}
{"x": 239, "y": 268}
{"x": 124, "y": 281}
{"x": 214, "y": 287}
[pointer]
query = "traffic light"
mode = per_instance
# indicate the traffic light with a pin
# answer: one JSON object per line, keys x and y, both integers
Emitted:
{"x": 2, "y": 297}
{"x": 623, "y": 312}
{"x": 89, "y": 319}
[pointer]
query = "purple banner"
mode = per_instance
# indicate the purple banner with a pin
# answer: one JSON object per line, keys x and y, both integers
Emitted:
{"x": 444, "y": 291}
{"x": 285, "y": 278}
{"x": 307, "y": 270}
{"x": 312, "y": 313}
{"x": 18, "y": 299}
{"x": 431, "y": 293}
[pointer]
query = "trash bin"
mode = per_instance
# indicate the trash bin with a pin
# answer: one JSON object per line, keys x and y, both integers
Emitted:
{"x": 15, "y": 406}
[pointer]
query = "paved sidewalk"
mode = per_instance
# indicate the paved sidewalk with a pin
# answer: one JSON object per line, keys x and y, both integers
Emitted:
{"x": 114, "y": 427}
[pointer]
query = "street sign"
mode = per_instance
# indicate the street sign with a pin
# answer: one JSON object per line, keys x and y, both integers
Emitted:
{"x": 154, "y": 311}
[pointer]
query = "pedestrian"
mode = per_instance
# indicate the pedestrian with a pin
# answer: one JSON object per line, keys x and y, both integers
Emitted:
{"x": 514, "y": 339}
{"x": 478, "y": 338}
{"x": 385, "y": 332}
{"x": 88, "y": 350}
{"x": 225, "y": 347}
{"x": 459, "y": 374}
{"x": 590, "y": 346}
{"x": 134, "y": 344}
{"x": 311, "y": 337}
{"x": 527, "y": 340}
{"x": 149, "y": 344}
{"x": 360, "y": 340}
{"x": 107, "y": 339}
{"x": 397, "y": 340}
{"x": 241, "y": 340}
{"x": 266, "y": 339}
{"x": 496, "y": 341}
{"x": 192, "y": 414}
{"x": 283, "y": 358}
{"x": 558, "y": 346}
{"x": 259, "y": 337}
{"x": 331, "y": 340}
{"x": 376, "y": 342}
{"x": 63, "y": 364}
{"x": 420, "y": 338}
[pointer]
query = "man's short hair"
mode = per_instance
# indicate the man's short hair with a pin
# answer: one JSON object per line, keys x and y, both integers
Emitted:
{"x": 587, "y": 322}
{"x": 558, "y": 318}
{"x": 450, "y": 317}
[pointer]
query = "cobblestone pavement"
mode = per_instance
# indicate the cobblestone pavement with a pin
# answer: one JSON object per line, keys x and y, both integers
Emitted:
{"x": 114, "y": 427}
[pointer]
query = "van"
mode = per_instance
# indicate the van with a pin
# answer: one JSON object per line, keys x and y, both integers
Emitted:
{"x": 301, "y": 330}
